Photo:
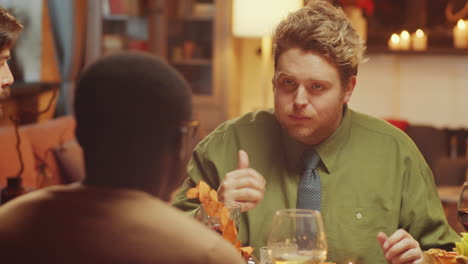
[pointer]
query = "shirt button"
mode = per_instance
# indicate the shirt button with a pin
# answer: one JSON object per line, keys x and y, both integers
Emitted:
{"x": 359, "y": 216}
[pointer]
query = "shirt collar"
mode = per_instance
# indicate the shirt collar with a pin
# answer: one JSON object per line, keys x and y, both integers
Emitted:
{"x": 328, "y": 150}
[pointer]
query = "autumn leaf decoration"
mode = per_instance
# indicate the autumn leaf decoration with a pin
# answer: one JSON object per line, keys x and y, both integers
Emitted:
{"x": 214, "y": 208}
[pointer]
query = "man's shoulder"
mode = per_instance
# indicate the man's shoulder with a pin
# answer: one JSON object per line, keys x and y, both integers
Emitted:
{"x": 250, "y": 123}
{"x": 32, "y": 198}
{"x": 373, "y": 126}
{"x": 251, "y": 119}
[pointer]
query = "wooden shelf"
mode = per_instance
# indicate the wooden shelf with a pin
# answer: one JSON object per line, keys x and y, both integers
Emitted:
{"x": 198, "y": 18}
{"x": 122, "y": 17}
{"x": 19, "y": 89}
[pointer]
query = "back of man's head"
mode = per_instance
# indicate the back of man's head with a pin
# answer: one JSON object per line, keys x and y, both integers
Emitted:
{"x": 9, "y": 29}
{"x": 129, "y": 108}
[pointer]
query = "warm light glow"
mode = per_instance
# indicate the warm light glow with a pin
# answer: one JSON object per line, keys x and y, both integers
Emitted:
{"x": 258, "y": 18}
{"x": 419, "y": 41}
{"x": 395, "y": 39}
{"x": 461, "y": 24}
{"x": 419, "y": 33}
{"x": 405, "y": 34}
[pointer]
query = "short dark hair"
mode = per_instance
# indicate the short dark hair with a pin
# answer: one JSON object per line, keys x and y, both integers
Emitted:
{"x": 10, "y": 28}
{"x": 129, "y": 108}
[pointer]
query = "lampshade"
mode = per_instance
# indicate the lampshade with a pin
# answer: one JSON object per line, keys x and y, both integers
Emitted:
{"x": 258, "y": 18}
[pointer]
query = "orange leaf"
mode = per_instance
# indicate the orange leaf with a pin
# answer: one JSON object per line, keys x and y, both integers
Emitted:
{"x": 230, "y": 231}
{"x": 213, "y": 195}
{"x": 203, "y": 191}
{"x": 224, "y": 217}
{"x": 192, "y": 193}
{"x": 212, "y": 208}
{"x": 238, "y": 245}
{"x": 247, "y": 251}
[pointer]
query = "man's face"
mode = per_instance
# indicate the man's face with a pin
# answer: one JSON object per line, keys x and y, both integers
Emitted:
{"x": 309, "y": 97}
{"x": 6, "y": 78}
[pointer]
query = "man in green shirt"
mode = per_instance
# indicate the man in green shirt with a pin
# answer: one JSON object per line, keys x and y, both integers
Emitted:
{"x": 373, "y": 180}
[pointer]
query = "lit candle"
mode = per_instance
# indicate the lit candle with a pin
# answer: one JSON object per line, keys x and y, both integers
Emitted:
{"x": 419, "y": 40}
{"x": 394, "y": 42}
{"x": 460, "y": 35}
{"x": 405, "y": 40}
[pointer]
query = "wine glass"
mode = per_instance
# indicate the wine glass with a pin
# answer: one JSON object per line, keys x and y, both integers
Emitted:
{"x": 297, "y": 236}
{"x": 214, "y": 222}
{"x": 463, "y": 206}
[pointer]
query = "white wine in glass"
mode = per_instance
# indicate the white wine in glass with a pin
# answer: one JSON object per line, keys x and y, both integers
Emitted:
{"x": 297, "y": 236}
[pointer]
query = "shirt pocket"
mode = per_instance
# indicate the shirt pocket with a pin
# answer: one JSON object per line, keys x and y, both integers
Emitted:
{"x": 352, "y": 233}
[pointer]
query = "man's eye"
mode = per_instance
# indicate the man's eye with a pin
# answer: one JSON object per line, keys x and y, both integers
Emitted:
{"x": 317, "y": 86}
{"x": 289, "y": 82}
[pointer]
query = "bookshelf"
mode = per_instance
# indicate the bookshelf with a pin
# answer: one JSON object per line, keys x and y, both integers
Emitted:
{"x": 194, "y": 36}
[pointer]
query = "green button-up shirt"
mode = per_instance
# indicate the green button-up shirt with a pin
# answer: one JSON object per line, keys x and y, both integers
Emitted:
{"x": 373, "y": 179}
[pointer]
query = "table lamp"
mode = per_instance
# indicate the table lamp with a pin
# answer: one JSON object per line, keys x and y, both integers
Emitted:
{"x": 258, "y": 19}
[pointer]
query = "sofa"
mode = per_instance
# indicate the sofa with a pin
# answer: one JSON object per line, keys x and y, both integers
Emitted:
{"x": 49, "y": 152}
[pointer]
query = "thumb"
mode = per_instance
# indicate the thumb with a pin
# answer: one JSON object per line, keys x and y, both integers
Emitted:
{"x": 381, "y": 237}
{"x": 242, "y": 160}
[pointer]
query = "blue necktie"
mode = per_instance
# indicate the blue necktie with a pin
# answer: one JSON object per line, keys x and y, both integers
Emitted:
{"x": 309, "y": 193}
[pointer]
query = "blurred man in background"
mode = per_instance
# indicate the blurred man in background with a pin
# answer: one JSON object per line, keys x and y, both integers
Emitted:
{"x": 9, "y": 31}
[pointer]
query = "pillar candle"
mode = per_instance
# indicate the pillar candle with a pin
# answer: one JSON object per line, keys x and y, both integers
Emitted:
{"x": 394, "y": 42}
{"x": 405, "y": 40}
{"x": 460, "y": 35}
{"x": 419, "y": 40}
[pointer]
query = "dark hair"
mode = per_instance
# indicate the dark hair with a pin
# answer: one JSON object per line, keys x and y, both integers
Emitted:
{"x": 129, "y": 108}
{"x": 9, "y": 29}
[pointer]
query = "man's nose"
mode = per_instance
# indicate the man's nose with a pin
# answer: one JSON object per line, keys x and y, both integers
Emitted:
{"x": 300, "y": 98}
{"x": 6, "y": 76}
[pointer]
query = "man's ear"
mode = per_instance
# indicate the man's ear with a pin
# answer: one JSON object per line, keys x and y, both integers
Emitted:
{"x": 183, "y": 151}
{"x": 273, "y": 81}
{"x": 349, "y": 89}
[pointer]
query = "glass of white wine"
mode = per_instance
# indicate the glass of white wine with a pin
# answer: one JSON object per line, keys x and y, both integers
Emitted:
{"x": 297, "y": 236}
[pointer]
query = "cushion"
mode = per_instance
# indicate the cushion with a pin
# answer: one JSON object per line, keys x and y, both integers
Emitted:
{"x": 9, "y": 161}
{"x": 71, "y": 162}
{"x": 401, "y": 124}
{"x": 44, "y": 137}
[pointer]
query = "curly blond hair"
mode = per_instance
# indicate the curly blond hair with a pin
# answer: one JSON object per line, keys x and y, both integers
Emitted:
{"x": 322, "y": 28}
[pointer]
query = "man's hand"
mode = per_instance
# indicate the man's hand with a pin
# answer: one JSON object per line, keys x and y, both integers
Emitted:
{"x": 244, "y": 185}
{"x": 400, "y": 248}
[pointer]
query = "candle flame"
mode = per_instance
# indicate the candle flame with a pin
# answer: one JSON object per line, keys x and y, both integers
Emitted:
{"x": 419, "y": 33}
{"x": 461, "y": 24}
{"x": 405, "y": 35}
{"x": 395, "y": 39}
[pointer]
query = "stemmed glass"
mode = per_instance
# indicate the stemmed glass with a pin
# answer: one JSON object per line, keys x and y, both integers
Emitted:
{"x": 214, "y": 222}
{"x": 297, "y": 236}
{"x": 463, "y": 206}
